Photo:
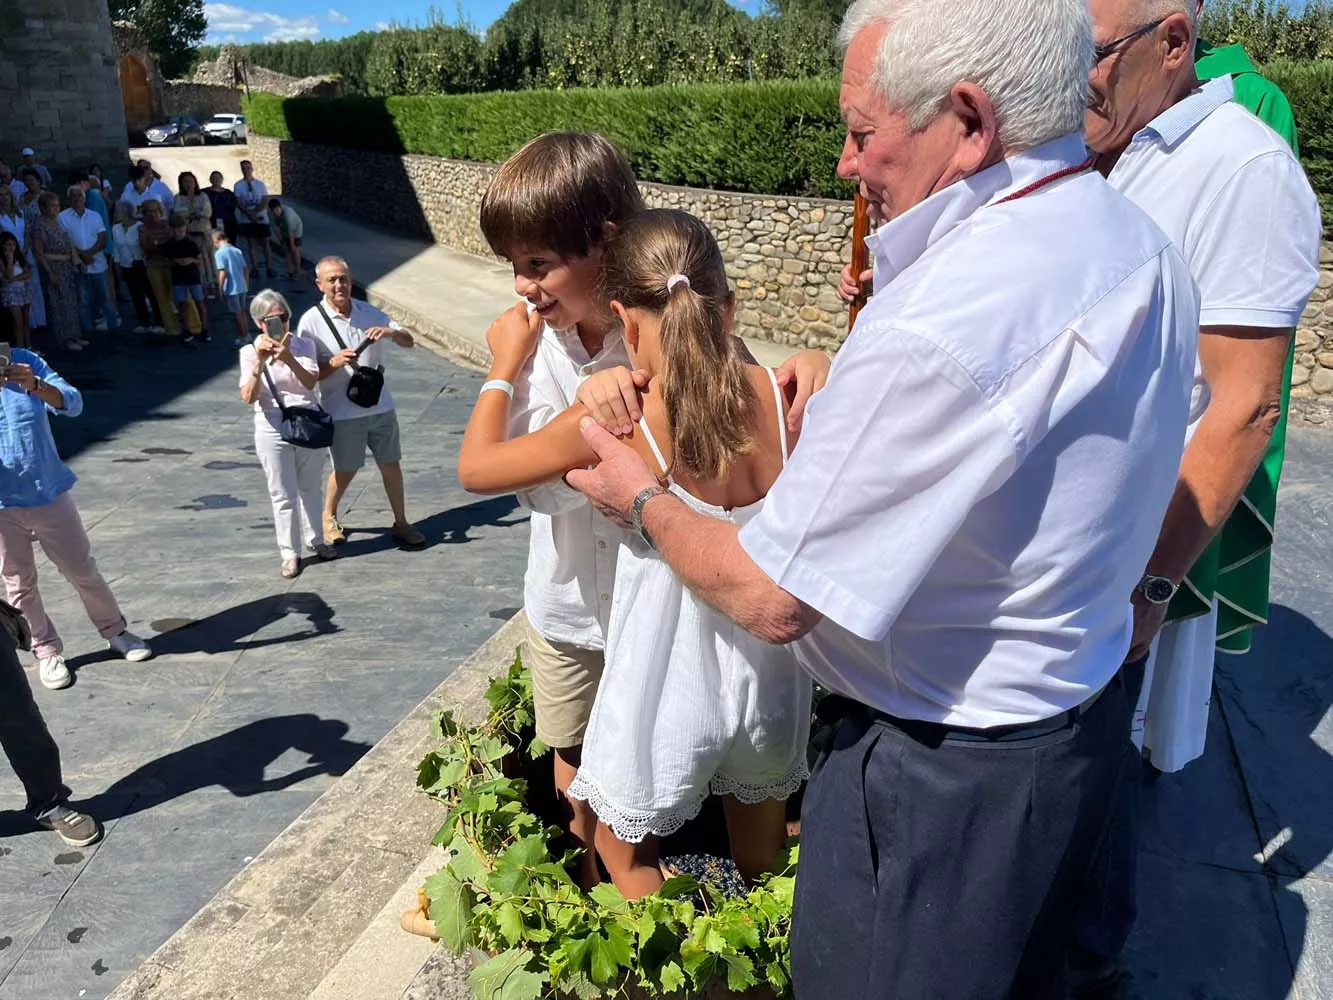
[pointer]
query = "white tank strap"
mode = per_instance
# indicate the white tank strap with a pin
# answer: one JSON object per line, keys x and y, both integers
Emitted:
{"x": 779, "y": 399}
{"x": 652, "y": 443}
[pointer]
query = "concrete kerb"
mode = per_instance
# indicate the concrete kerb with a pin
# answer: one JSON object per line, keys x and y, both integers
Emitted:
{"x": 291, "y": 925}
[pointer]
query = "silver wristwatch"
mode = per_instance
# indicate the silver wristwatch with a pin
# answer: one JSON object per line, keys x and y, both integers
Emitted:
{"x": 1157, "y": 589}
{"x": 636, "y": 511}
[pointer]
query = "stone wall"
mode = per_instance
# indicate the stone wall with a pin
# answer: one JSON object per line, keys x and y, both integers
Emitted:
{"x": 784, "y": 254}
{"x": 59, "y": 92}
{"x": 201, "y": 100}
{"x": 232, "y": 69}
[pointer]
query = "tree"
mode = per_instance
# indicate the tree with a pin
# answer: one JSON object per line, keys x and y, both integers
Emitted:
{"x": 171, "y": 29}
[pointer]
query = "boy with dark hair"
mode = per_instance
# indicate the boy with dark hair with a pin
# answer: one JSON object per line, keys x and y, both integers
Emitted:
{"x": 187, "y": 283}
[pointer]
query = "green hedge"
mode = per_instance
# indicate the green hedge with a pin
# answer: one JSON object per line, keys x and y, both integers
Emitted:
{"x": 1309, "y": 87}
{"x": 772, "y": 138}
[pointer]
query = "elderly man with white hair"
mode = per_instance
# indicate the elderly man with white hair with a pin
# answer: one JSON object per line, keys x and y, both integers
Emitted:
{"x": 1229, "y": 192}
{"x": 972, "y": 500}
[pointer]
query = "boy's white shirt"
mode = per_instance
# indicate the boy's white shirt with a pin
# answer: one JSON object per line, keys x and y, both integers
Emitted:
{"x": 567, "y": 589}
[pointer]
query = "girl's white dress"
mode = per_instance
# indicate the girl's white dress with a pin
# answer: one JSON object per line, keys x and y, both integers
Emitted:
{"x": 689, "y": 702}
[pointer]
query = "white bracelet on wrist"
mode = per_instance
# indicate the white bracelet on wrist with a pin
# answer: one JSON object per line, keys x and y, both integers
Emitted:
{"x": 503, "y": 385}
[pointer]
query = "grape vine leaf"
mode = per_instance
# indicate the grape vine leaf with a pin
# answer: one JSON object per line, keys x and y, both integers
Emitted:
{"x": 450, "y": 909}
{"x": 607, "y": 896}
{"x": 673, "y": 979}
{"x": 506, "y": 977}
{"x": 466, "y": 863}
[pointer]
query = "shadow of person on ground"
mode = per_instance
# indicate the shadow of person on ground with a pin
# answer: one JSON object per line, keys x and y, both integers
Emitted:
{"x": 229, "y": 631}
{"x": 1275, "y": 702}
{"x": 448, "y": 527}
{"x": 235, "y": 761}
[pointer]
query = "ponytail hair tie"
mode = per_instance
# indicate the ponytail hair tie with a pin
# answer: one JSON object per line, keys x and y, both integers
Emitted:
{"x": 677, "y": 279}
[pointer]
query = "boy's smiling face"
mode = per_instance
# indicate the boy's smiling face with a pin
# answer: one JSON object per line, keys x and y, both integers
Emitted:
{"x": 563, "y": 289}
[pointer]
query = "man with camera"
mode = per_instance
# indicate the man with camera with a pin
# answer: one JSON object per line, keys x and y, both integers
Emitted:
{"x": 347, "y": 334}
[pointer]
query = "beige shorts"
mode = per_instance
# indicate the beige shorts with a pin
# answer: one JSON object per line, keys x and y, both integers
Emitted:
{"x": 564, "y": 686}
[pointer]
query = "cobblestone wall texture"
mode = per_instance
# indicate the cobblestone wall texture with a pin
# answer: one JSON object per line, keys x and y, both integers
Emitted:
{"x": 59, "y": 90}
{"x": 784, "y": 254}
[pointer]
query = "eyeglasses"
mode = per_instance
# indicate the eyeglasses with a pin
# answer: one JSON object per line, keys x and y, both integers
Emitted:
{"x": 1110, "y": 48}
{"x": 278, "y": 315}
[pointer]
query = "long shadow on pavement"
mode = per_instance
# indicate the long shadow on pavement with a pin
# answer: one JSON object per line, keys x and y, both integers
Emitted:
{"x": 446, "y": 527}
{"x": 1275, "y": 702}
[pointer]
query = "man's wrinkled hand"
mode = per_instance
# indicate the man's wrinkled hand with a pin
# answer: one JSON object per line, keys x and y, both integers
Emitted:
{"x": 343, "y": 358}
{"x": 612, "y": 398}
{"x": 1148, "y": 621}
{"x": 513, "y": 338}
{"x": 810, "y": 370}
{"x": 619, "y": 476}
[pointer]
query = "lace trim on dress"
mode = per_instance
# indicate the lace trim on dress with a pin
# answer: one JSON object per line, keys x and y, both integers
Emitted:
{"x": 752, "y": 795}
{"x": 632, "y": 825}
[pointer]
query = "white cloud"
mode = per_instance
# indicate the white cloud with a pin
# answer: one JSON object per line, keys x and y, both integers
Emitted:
{"x": 229, "y": 19}
{"x": 382, "y": 25}
{"x": 338, "y": 17}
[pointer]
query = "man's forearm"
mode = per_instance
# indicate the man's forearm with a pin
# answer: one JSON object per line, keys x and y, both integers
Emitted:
{"x": 1218, "y": 465}
{"x": 708, "y": 557}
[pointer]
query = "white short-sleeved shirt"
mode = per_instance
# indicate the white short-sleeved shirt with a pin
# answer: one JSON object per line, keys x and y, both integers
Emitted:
{"x": 288, "y": 385}
{"x": 1234, "y": 199}
{"x": 83, "y": 231}
{"x": 978, "y": 487}
{"x": 254, "y": 195}
{"x": 159, "y": 190}
{"x": 352, "y": 329}
{"x": 125, "y": 243}
{"x": 572, "y": 549}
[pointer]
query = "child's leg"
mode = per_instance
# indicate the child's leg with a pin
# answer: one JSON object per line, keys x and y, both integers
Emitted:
{"x": 180, "y": 294}
{"x": 757, "y": 833}
{"x": 239, "y": 316}
{"x": 582, "y": 821}
{"x": 634, "y": 867}
{"x": 197, "y": 294}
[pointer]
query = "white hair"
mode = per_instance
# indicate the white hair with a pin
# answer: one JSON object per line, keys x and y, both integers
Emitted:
{"x": 266, "y": 300}
{"x": 1031, "y": 57}
{"x": 331, "y": 259}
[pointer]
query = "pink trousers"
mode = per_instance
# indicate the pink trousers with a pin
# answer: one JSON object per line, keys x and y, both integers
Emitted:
{"x": 58, "y": 528}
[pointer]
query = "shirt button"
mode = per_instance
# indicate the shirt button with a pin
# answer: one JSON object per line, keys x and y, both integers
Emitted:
{"x": 601, "y": 544}
{"x": 606, "y": 597}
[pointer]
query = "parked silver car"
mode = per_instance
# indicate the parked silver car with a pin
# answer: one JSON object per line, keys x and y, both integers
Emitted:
{"x": 225, "y": 128}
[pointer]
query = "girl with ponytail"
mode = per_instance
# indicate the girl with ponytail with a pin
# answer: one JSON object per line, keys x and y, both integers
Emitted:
{"x": 689, "y": 704}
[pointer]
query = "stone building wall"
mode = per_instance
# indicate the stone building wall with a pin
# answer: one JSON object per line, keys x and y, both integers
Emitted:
{"x": 784, "y": 254}
{"x": 59, "y": 91}
{"x": 201, "y": 100}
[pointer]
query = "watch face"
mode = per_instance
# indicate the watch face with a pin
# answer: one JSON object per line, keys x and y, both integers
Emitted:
{"x": 1158, "y": 589}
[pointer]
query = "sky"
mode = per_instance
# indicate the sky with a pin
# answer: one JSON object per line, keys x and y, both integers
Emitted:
{"x": 291, "y": 20}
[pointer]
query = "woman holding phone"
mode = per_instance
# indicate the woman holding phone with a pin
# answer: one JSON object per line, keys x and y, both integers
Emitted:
{"x": 285, "y": 363}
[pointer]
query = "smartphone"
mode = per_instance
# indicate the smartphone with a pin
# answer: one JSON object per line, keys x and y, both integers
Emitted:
{"x": 273, "y": 326}
{"x": 5, "y": 358}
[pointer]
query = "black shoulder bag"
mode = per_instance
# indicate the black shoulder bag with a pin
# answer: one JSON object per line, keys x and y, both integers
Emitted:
{"x": 302, "y": 426}
{"x": 366, "y": 384}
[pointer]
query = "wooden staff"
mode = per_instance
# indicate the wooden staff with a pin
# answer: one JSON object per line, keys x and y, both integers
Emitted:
{"x": 860, "y": 254}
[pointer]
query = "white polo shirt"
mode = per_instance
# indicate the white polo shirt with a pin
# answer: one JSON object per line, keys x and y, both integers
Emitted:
{"x": 83, "y": 231}
{"x": 352, "y": 329}
{"x": 572, "y": 549}
{"x": 1234, "y": 199}
{"x": 977, "y": 489}
{"x": 254, "y": 195}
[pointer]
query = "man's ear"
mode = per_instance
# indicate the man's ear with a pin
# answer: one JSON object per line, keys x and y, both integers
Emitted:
{"x": 978, "y": 125}
{"x": 1179, "y": 36}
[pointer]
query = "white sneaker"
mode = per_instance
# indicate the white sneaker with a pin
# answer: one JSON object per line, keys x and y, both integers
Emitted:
{"x": 141, "y": 329}
{"x": 73, "y": 346}
{"x": 100, "y": 326}
{"x": 53, "y": 672}
{"x": 157, "y": 329}
{"x": 130, "y": 647}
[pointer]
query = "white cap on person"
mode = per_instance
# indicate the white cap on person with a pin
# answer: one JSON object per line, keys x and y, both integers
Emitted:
{"x": 26, "y": 151}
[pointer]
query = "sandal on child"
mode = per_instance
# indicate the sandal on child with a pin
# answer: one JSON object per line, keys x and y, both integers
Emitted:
{"x": 291, "y": 568}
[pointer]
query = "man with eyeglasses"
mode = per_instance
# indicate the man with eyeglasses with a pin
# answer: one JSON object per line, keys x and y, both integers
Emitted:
{"x": 1232, "y": 196}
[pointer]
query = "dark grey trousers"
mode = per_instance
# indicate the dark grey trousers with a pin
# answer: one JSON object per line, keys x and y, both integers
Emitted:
{"x": 941, "y": 865}
{"x": 24, "y": 736}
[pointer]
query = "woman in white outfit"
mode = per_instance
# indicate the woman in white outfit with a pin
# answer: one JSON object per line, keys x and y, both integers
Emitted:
{"x": 295, "y": 475}
{"x": 689, "y": 703}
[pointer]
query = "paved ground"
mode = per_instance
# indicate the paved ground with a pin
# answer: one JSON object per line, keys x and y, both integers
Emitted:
{"x": 202, "y": 756}
{"x": 263, "y": 689}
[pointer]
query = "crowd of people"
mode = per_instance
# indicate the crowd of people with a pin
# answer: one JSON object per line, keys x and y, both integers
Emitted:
{"x": 81, "y": 261}
{"x": 987, "y": 532}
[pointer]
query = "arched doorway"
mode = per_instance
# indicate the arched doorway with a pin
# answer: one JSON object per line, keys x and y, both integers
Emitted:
{"x": 135, "y": 92}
